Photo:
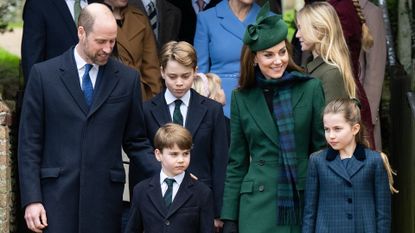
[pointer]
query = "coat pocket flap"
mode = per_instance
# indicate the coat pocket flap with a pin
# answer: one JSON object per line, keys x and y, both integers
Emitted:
{"x": 49, "y": 172}
{"x": 117, "y": 176}
{"x": 247, "y": 187}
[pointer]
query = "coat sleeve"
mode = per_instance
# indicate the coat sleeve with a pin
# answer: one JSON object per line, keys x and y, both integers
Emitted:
{"x": 382, "y": 198}
{"x": 34, "y": 36}
{"x": 135, "y": 221}
{"x": 201, "y": 43}
{"x": 206, "y": 213}
{"x": 373, "y": 61}
{"x": 317, "y": 131}
{"x": 135, "y": 143}
{"x": 238, "y": 164}
{"x": 220, "y": 158}
{"x": 31, "y": 137}
{"x": 311, "y": 197}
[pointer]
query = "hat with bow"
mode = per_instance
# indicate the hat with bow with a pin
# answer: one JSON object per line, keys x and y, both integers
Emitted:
{"x": 267, "y": 31}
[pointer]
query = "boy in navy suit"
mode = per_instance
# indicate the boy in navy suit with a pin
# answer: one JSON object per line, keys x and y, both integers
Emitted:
{"x": 172, "y": 201}
{"x": 202, "y": 116}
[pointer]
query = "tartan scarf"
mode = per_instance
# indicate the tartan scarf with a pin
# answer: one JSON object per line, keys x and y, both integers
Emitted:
{"x": 288, "y": 200}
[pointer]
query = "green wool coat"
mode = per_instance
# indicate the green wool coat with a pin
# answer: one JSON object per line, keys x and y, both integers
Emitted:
{"x": 330, "y": 77}
{"x": 250, "y": 195}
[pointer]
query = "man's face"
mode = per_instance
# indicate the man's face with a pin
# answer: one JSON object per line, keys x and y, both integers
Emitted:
{"x": 96, "y": 46}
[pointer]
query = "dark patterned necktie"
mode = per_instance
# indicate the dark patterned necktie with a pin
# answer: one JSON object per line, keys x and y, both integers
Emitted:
{"x": 177, "y": 114}
{"x": 168, "y": 196}
{"x": 152, "y": 16}
{"x": 87, "y": 85}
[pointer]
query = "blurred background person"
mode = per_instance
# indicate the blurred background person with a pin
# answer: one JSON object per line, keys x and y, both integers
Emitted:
{"x": 190, "y": 10}
{"x": 373, "y": 63}
{"x": 218, "y": 40}
{"x": 319, "y": 31}
{"x": 49, "y": 29}
{"x": 136, "y": 46}
{"x": 165, "y": 19}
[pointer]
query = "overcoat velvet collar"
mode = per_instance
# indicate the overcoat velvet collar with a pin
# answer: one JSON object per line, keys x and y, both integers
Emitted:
{"x": 359, "y": 153}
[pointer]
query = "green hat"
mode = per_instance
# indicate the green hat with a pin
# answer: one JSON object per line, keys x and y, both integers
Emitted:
{"x": 266, "y": 32}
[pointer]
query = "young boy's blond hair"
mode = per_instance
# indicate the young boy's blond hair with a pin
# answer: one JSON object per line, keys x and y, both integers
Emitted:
{"x": 172, "y": 134}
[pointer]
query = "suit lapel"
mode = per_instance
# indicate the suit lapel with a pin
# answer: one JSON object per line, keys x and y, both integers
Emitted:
{"x": 258, "y": 109}
{"x": 296, "y": 95}
{"x": 130, "y": 29}
{"x": 155, "y": 196}
{"x": 354, "y": 166}
{"x": 337, "y": 167}
{"x": 160, "y": 110}
{"x": 197, "y": 112}
{"x": 70, "y": 78}
{"x": 231, "y": 23}
{"x": 63, "y": 9}
{"x": 183, "y": 194}
{"x": 107, "y": 79}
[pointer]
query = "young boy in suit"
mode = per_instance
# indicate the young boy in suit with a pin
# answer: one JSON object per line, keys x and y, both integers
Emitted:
{"x": 202, "y": 116}
{"x": 172, "y": 201}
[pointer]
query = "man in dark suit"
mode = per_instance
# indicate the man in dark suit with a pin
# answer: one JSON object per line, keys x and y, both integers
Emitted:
{"x": 189, "y": 10}
{"x": 202, "y": 116}
{"x": 168, "y": 19}
{"x": 49, "y": 29}
{"x": 78, "y": 110}
{"x": 172, "y": 201}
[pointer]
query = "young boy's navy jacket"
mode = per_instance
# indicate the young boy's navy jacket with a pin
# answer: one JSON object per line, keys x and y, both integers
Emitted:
{"x": 206, "y": 123}
{"x": 352, "y": 199}
{"x": 190, "y": 212}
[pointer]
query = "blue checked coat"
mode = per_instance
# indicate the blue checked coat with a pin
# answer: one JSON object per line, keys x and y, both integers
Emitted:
{"x": 352, "y": 200}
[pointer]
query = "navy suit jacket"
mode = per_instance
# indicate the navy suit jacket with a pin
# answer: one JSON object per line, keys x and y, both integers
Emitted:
{"x": 189, "y": 18}
{"x": 48, "y": 31}
{"x": 206, "y": 123}
{"x": 348, "y": 199}
{"x": 190, "y": 212}
{"x": 69, "y": 156}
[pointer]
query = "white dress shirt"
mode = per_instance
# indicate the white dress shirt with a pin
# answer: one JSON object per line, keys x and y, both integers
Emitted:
{"x": 183, "y": 108}
{"x": 176, "y": 185}
{"x": 80, "y": 66}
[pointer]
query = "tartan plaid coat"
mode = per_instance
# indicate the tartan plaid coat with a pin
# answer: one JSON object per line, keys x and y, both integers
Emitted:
{"x": 355, "y": 199}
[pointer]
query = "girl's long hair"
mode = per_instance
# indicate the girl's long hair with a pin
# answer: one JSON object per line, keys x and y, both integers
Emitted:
{"x": 321, "y": 27}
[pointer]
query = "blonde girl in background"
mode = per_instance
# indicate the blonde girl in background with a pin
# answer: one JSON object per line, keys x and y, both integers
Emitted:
{"x": 348, "y": 185}
{"x": 320, "y": 32}
{"x": 210, "y": 85}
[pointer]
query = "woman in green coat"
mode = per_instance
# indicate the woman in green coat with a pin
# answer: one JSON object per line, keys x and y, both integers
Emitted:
{"x": 275, "y": 125}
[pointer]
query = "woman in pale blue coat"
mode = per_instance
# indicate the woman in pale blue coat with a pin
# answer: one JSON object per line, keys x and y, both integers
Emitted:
{"x": 218, "y": 40}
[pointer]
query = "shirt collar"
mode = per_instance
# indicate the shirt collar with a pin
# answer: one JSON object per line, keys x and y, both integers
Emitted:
{"x": 80, "y": 62}
{"x": 179, "y": 178}
{"x": 170, "y": 97}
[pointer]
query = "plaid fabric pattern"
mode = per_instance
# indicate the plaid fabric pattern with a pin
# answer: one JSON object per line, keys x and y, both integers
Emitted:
{"x": 288, "y": 211}
{"x": 288, "y": 200}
